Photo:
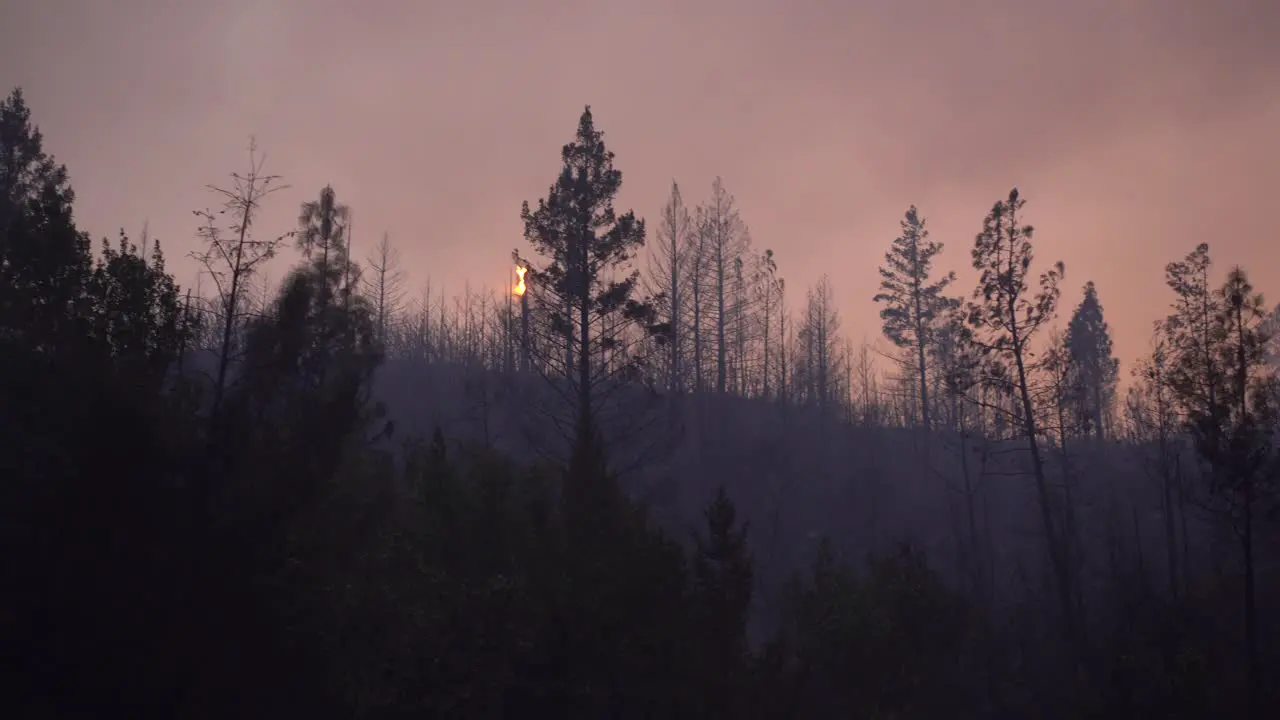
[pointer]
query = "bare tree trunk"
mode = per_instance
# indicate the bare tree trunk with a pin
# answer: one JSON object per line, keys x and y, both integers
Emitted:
{"x": 721, "y": 365}
{"x": 1057, "y": 557}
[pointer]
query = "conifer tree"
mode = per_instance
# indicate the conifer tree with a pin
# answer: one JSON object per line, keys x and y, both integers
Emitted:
{"x": 44, "y": 259}
{"x": 27, "y": 172}
{"x": 1193, "y": 333}
{"x": 1226, "y": 394}
{"x": 912, "y": 299}
{"x": 585, "y": 284}
{"x": 1005, "y": 317}
{"x": 322, "y": 238}
{"x": 1093, "y": 370}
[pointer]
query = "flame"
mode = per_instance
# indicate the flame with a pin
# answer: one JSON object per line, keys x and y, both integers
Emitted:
{"x": 519, "y": 288}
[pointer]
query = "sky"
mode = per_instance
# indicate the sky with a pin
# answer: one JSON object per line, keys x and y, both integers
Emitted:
{"x": 1135, "y": 129}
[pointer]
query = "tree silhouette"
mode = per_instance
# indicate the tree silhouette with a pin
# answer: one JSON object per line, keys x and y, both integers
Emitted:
{"x": 233, "y": 255}
{"x": 1094, "y": 371}
{"x": 913, "y": 301}
{"x": 1005, "y": 317}
{"x": 585, "y": 245}
{"x": 385, "y": 286}
{"x": 322, "y": 238}
{"x": 670, "y": 279}
{"x": 1226, "y": 394}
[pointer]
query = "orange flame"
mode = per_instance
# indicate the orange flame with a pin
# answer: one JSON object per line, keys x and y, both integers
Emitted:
{"x": 519, "y": 289}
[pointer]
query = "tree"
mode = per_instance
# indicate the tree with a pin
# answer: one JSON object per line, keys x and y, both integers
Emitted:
{"x": 95, "y": 437}
{"x": 768, "y": 297}
{"x": 1093, "y": 370}
{"x": 1058, "y": 397}
{"x": 136, "y": 312}
{"x": 1223, "y": 388}
{"x": 669, "y": 280}
{"x": 586, "y": 245}
{"x": 44, "y": 259}
{"x": 233, "y": 255}
{"x": 1193, "y": 335}
{"x": 741, "y": 316}
{"x": 722, "y": 588}
{"x": 722, "y": 240}
{"x": 912, "y": 300}
{"x": 1005, "y": 317}
{"x": 819, "y": 345}
{"x": 322, "y": 238}
{"x": 1152, "y": 418}
{"x": 27, "y": 172}
{"x": 699, "y": 272}
{"x": 957, "y": 361}
{"x": 385, "y": 286}
{"x": 1271, "y": 329}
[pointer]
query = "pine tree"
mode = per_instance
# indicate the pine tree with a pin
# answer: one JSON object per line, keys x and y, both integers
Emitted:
{"x": 1225, "y": 394}
{"x": 44, "y": 259}
{"x": 585, "y": 245}
{"x": 322, "y": 238}
{"x": 912, "y": 300}
{"x": 1092, "y": 368}
{"x": 1193, "y": 335}
{"x": 27, "y": 172}
{"x": 1005, "y": 318}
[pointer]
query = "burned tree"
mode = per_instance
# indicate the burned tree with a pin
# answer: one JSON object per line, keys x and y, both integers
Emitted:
{"x": 233, "y": 254}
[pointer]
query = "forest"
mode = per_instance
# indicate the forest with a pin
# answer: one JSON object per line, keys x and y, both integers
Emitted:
{"x": 650, "y": 480}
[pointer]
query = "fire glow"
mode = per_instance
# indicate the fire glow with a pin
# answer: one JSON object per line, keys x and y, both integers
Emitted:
{"x": 519, "y": 288}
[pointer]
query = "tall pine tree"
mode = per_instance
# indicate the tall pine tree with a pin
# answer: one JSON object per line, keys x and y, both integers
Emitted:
{"x": 912, "y": 299}
{"x": 322, "y": 238}
{"x": 1006, "y": 314}
{"x": 585, "y": 283}
{"x": 1220, "y": 382}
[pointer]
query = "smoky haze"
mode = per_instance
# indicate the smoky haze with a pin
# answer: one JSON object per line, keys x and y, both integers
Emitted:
{"x": 777, "y": 477}
{"x": 1136, "y": 128}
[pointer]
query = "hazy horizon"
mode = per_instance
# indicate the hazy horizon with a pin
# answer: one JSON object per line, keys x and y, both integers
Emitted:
{"x": 1135, "y": 129}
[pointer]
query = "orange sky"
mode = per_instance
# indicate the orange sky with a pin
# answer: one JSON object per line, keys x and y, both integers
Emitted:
{"x": 1135, "y": 128}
